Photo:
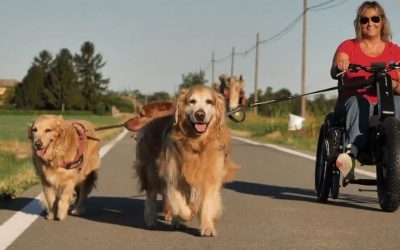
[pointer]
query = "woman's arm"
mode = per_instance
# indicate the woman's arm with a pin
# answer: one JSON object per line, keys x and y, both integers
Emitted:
{"x": 396, "y": 83}
{"x": 341, "y": 62}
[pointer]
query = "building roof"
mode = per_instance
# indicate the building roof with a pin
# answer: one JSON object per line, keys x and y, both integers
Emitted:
{"x": 8, "y": 82}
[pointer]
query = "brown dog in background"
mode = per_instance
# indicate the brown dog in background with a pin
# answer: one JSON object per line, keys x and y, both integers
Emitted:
{"x": 186, "y": 157}
{"x": 66, "y": 159}
{"x": 149, "y": 112}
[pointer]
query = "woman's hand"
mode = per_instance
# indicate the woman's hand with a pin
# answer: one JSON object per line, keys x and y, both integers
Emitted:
{"x": 396, "y": 87}
{"x": 342, "y": 64}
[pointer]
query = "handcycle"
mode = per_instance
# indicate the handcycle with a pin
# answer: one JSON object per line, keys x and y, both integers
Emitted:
{"x": 382, "y": 148}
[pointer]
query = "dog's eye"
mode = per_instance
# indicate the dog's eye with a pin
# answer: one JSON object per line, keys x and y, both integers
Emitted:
{"x": 34, "y": 130}
{"x": 48, "y": 130}
{"x": 192, "y": 101}
{"x": 209, "y": 101}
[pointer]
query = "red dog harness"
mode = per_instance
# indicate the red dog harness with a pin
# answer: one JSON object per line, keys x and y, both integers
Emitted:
{"x": 77, "y": 161}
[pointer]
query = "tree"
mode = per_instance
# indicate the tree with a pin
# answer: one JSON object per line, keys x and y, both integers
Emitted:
{"x": 193, "y": 79}
{"x": 62, "y": 89}
{"x": 159, "y": 96}
{"x": 29, "y": 93}
{"x": 43, "y": 60}
{"x": 88, "y": 65}
{"x": 321, "y": 106}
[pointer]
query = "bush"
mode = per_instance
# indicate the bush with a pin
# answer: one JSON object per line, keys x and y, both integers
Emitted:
{"x": 16, "y": 175}
{"x": 123, "y": 105}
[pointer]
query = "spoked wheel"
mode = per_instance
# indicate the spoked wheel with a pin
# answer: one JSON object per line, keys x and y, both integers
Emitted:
{"x": 388, "y": 166}
{"x": 323, "y": 170}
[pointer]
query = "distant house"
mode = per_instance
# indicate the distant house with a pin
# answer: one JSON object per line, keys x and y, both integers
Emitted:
{"x": 4, "y": 85}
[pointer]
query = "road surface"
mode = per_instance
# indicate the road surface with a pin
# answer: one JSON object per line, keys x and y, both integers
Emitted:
{"x": 271, "y": 205}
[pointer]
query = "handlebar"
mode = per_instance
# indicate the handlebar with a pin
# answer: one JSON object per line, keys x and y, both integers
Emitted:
{"x": 374, "y": 68}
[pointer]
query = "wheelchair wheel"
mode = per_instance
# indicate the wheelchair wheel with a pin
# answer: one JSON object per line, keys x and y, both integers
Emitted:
{"x": 323, "y": 169}
{"x": 335, "y": 183}
{"x": 388, "y": 166}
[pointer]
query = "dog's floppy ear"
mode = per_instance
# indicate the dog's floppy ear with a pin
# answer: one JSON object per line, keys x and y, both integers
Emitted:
{"x": 180, "y": 104}
{"x": 29, "y": 130}
{"x": 60, "y": 125}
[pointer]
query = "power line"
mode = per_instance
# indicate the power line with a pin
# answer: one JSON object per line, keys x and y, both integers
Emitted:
{"x": 284, "y": 31}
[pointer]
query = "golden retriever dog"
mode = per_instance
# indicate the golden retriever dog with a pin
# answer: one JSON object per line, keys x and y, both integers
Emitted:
{"x": 66, "y": 159}
{"x": 232, "y": 88}
{"x": 186, "y": 158}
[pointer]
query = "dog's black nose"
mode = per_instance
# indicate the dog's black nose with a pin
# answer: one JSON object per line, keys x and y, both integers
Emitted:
{"x": 38, "y": 144}
{"x": 200, "y": 115}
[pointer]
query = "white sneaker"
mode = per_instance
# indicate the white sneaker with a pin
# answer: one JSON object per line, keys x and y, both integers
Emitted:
{"x": 345, "y": 163}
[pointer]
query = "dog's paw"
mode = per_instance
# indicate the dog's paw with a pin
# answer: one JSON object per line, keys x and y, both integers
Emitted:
{"x": 208, "y": 232}
{"x": 188, "y": 214}
{"x": 175, "y": 223}
{"x": 50, "y": 216}
{"x": 77, "y": 211}
{"x": 61, "y": 216}
{"x": 168, "y": 217}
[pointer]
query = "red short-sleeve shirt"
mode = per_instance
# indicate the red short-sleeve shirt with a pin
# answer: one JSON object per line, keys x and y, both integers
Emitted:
{"x": 351, "y": 47}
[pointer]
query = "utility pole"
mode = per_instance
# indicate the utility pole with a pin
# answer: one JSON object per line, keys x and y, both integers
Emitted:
{"x": 256, "y": 74}
{"x": 303, "y": 61}
{"x": 233, "y": 60}
{"x": 212, "y": 67}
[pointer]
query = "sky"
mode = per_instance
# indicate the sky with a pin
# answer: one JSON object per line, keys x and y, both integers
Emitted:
{"x": 149, "y": 44}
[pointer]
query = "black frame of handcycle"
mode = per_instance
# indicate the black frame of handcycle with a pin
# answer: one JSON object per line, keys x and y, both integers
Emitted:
{"x": 386, "y": 108}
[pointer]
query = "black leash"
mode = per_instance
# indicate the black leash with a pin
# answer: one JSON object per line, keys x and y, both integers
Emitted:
{"x": 242, "y": 108}
{"x": 110, "y": 127}
{"x": 255, "y": 104}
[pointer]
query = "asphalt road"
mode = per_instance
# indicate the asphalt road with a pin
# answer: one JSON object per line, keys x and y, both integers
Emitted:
{"x": 271, "y": 205}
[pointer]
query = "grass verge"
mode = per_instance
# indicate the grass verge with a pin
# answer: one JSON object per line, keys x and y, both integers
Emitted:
{"x": 275, "y": 130}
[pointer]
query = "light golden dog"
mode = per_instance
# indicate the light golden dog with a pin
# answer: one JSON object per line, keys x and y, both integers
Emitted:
{"x": 232, "y": 89}
{"x": 66, "y": 158}
{"x": 186, "y": 158}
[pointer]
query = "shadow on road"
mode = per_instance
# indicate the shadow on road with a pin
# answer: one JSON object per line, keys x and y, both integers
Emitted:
{"x": 126, "y": 211}
{"x": 15, "y": 204}
{"x": 301, "y": 194}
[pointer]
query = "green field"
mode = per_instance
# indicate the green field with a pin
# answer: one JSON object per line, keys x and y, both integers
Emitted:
{"x": 14, "y": 127}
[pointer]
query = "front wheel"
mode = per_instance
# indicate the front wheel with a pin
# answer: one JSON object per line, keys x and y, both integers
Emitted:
{"x": 388, "y": 165}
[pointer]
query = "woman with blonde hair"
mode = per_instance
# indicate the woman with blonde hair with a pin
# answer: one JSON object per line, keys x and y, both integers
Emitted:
{"x": 373, "y": 43}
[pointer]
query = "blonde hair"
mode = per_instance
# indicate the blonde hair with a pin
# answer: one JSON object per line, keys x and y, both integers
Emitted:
{"x": 386, "y": 33}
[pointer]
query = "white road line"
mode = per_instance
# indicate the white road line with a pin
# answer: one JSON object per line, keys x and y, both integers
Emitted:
{"x": 293, "y": 152}
{"x": 21, "y": 220}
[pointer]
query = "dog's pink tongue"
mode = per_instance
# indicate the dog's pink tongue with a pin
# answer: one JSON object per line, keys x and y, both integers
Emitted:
{"x": 200, "y": 127}
{"x": 40, "y": 152}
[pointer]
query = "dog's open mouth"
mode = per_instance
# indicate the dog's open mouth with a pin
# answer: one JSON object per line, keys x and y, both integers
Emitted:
{"x": 41, "y": 151}
{"x": 200, "y": 127}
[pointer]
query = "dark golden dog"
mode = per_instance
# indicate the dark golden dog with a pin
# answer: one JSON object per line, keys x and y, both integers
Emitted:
{"x": 186, "y": 158}
{"x": 66, "y": 158}
{"x": 149, "y": 112}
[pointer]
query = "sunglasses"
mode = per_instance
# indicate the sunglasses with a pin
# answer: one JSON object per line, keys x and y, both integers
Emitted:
{"x": 365, "y": 20}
